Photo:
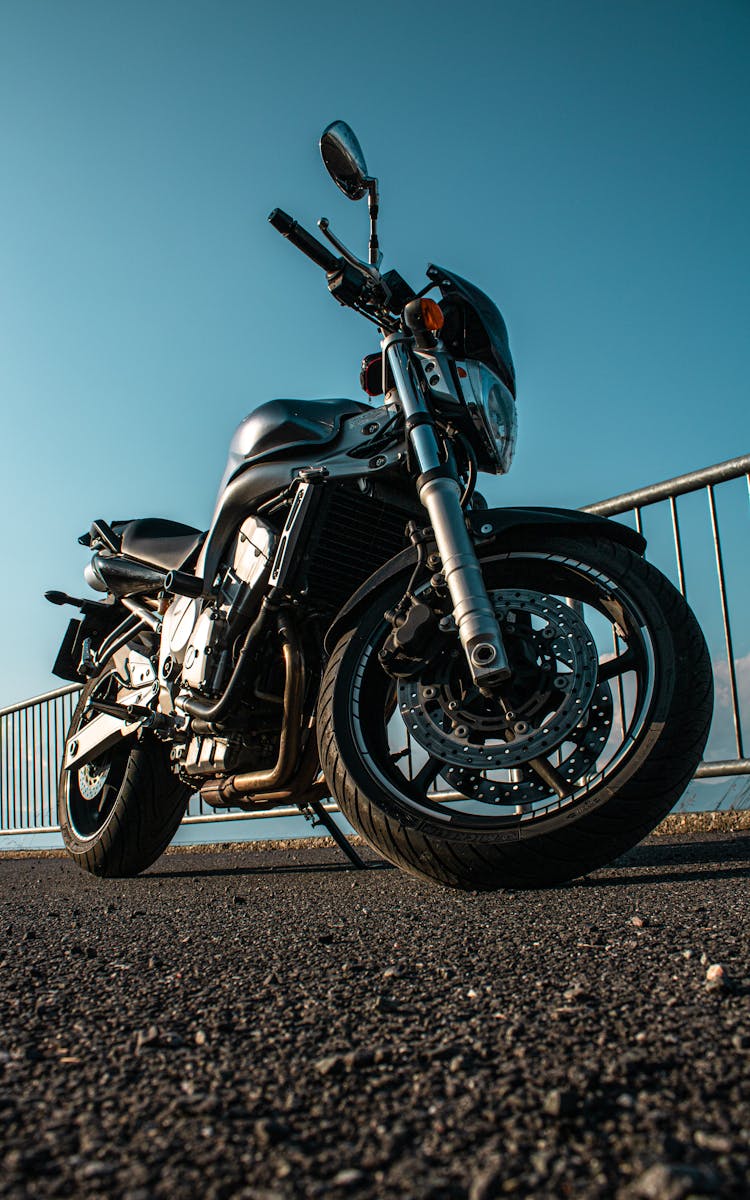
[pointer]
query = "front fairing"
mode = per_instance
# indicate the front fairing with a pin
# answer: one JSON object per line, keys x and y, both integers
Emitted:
{"x": 474, "y": 327}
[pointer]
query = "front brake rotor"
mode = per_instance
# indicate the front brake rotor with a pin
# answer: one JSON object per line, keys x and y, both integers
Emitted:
{"x": 555, "y": 664}
{"x": 577, "y": 756}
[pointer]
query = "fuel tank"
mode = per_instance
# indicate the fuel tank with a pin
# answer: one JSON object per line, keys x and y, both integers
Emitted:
{"x": 280, "y": 428}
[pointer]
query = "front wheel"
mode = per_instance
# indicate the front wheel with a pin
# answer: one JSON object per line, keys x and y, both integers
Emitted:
{"x": 120, "y": 812}
{"x": 577, "y": 758}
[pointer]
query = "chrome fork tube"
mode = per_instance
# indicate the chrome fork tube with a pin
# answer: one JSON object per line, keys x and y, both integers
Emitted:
{"x": 441, "y": 496}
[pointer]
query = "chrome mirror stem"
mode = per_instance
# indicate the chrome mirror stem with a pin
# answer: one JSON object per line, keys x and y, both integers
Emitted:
{"x": 373, "y": 208}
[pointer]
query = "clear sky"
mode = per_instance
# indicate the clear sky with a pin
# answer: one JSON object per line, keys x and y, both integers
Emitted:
{"x": 585, "y": 162}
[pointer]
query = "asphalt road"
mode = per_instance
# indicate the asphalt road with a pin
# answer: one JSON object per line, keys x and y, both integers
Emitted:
{"x": 274, "y": 1025}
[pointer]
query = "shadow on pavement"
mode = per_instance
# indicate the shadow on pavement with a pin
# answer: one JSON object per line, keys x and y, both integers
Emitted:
{"x": 709, "y": 860}
{"x": 678, "y": 876}
{"x": 270, "y": 869}
{"x": 652, "y": 863}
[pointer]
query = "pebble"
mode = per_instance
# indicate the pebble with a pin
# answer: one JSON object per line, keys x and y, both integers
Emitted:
{"x": 717, "y": 1143}
{"x": 577, "y": 992}
{"x": 486, "y": 1183}
{"x": 329, "y": 1064}
{"x": 146, "y": 1038}
{"x": 716, "y": 977}
{"x": 98, "y": 1170}
{"x": 269, "y": 1132}
{"x": 559, "y": 1102}
{"x": 671, "y": 1181}
{"x": 348, "y": 1177}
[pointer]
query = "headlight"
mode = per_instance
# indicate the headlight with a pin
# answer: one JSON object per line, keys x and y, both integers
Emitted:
{"x": 493, "y": 411}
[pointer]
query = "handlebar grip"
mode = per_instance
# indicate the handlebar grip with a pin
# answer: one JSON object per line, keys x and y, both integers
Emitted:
{"x": 304, "y": 241}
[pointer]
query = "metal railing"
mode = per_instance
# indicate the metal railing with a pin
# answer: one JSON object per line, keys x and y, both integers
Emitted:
{"x": 32, "y": 732}
{"x": 668, "y": 493}
{"x": 32, "y": 738}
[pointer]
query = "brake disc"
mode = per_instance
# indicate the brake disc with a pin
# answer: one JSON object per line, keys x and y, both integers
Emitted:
{"x": 92, "y": 778}
{"x": 555, "y": 664}
{"x": 581, "y": 749}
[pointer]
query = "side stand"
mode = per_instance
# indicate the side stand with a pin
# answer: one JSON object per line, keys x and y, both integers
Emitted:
{"x": 312, "y": 810}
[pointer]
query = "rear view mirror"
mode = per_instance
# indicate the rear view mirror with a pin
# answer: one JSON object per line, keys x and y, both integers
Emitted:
{"x": 344, "y": 160}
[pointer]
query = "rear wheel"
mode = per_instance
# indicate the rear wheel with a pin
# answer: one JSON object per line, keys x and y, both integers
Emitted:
{"x": 119, "y": 813}
{"x": 590, "y": 744}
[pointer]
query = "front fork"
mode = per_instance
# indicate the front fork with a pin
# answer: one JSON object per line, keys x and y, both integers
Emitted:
{"x": 440, "y": 493}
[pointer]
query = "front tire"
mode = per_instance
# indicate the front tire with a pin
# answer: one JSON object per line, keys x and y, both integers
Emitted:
{"x": 612, "y": 787}
{"x": 118, "y": 814}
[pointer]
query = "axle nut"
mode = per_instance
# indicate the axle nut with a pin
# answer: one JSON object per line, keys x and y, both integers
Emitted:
{"x": 483, "y": 654}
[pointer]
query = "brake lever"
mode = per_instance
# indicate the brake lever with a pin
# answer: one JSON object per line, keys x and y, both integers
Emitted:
{"x": 372, "y": 273}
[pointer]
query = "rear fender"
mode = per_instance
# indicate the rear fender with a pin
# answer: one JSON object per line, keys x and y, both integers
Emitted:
{"x": 97, "y": 622}
{"x": 493, "y": 528}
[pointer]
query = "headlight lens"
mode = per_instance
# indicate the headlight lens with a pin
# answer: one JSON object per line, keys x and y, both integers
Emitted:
{"x": 493, "y": 410}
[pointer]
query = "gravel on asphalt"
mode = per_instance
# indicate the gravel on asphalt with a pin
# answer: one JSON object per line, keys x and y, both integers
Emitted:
{"x": 274, "y": 1025}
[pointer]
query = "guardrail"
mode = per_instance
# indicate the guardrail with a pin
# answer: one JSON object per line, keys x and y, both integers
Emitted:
{"x": 32, "y": 737}
{"x": 32, "y": 732}
{"x": 668, "y": 493}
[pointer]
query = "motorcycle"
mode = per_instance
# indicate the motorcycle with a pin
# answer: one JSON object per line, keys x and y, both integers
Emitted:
{"x": 504, "y": 697}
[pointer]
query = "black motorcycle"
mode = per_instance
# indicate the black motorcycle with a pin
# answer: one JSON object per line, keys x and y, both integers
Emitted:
{"x": 494, "y": 697}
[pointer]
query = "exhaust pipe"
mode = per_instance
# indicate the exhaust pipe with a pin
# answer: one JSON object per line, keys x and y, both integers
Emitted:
{"x": 228, "y": 791}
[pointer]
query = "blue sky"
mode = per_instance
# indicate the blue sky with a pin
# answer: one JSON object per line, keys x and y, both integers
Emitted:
{"x": 586, "y": 163}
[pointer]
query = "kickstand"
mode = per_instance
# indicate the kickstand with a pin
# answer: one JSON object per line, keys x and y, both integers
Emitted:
{"x": 314, "y": 812}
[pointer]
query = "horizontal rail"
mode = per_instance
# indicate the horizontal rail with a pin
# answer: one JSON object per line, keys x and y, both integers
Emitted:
{"x": 706, "y": 770}
{"x": 733, "y": 468}
{"x": 35, "y": 700}
{"x": 260, "y": 814}
{"x": 24, "y": 829}
{"x": 722, "y": 767}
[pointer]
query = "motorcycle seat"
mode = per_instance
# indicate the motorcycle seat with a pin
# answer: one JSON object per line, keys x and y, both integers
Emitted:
{"x": 159, "y": 542}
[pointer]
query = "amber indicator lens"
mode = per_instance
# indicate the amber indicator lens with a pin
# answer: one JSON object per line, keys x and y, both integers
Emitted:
{"x": 432, "y": 314}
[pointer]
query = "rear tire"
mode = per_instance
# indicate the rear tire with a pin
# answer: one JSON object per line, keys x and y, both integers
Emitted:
{"x": 141, "y": 806}
{"x": 560, "y": 842}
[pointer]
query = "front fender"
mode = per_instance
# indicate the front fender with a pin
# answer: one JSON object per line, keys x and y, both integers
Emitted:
{"x": 490, "y": 527}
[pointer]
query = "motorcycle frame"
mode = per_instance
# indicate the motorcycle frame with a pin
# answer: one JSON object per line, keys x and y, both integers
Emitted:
{"x": 417, "y": 446}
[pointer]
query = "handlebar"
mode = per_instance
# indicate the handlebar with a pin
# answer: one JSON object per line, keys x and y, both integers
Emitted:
{"x": 304, "y": 241}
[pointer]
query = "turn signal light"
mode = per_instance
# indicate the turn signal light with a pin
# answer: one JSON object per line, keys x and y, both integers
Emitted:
{"x": 432, "y": 314}
{"x": 371, "y": 375}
